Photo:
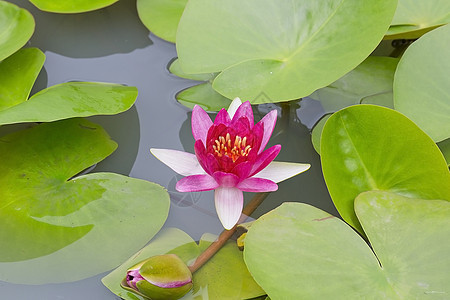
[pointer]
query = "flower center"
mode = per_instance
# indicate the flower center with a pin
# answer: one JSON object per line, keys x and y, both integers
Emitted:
{"x": 223, "y": 146}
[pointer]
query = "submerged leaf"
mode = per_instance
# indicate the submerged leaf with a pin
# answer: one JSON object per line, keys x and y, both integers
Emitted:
{"x": 59, "y": 228}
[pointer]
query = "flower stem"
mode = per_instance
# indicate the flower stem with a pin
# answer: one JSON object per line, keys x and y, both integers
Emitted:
{"x": 226, "y": 234}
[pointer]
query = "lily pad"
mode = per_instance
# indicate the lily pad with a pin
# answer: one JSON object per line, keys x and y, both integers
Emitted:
{"x": 71, "y": 99}
{"x": 413, "y": 18}
{"x": 372, "y": 78}
{"x": 323, "y": 258}
{"x": 285, "y": 50}
{"x": 18, "y": 73}
{"x": 203, "y": 95}
{"x": 176, "y": 69}
{"x": 317, "y": 132}
{"x": 71, "y": 6}
{"x": 368, "y": 147}
{"x": 16, "y": 28}
{"x": 59, "y": 228}
{"x": 161, "y": 16}
{"x": 422, "y": 83}
{"x": 225, "y": 276}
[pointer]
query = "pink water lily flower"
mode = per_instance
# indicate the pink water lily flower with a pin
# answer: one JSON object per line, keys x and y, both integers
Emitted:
{"x": 230, "y": 158}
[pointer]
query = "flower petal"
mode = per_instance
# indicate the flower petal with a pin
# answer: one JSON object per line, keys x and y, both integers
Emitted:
{"x": 233, "y": 107}
{"x": 183, "y": 163}
{"x": 245, "y": 110}
{"x": 229, "y": 203}
{"x": 196, "y": 183}
{"x": 226, "y": 179}
{"x": 278, "y": 171}
{"x": 222, "y": 118}
{"x": 268, "y": 121}
{"x": 200, "y": 122}
{"x": 257, "y": 185}
{"x": 265, "y": 159}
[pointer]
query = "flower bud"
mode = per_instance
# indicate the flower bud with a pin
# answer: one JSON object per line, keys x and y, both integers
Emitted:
{"x": 159, "y": 277}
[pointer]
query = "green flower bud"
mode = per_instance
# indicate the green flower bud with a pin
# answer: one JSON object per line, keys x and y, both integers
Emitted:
{"x": 159, "y": 277}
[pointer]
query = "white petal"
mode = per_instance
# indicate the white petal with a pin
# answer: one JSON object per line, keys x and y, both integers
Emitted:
{"x": 229, "y": 203}
{"x": 183, "y": 163}
{"x": 278, "y": 171}
{"x": 234, "y": 106}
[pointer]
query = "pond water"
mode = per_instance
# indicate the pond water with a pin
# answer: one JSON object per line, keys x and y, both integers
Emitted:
{"x": 111, "y": 45}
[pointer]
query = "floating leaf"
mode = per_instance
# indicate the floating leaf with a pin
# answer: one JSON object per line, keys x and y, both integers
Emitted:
{"x": 413, "y": 18}
{"x": 317, "y": 132}
{"x": 175, "y": 69}
{"x": 60, "y": 229}
{"x": 16, "y": 28}
{"x": 300, "y": 252}
{"x": 373, "y": 77}
{"x": 161, "y": 16}
{"x": 203, "y": 95}
{"x": 18, "y": 74}
{"x": 285, "y": 50}
{"x": 71, "y": 6}
{"x": 225, "y": 276}
{"x": 422, "y": 83}
{"x": 71, "y": 99}
{"x": 367, "y": 147}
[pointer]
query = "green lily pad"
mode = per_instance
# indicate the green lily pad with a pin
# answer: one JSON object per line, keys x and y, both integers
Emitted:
{"x": 373, "y": 77}
{"x": 16, "y": 28}
{"x": 71, "y": 99}
{"x": 285, "y": 50}
{"x": 316, "y": 132}
{"x": 225, "y": 276}
{"x": 175, "y": 68}
{"x": 161, "y": 16}
{"x": 60, "y": 228}
{"x": 71, "y": 6}
{"x": 422, "y": 83}
{"x": 203, "y": 95}
{"x": 320, "y": 257}
{"x": 368, "y": 147}
{"x": 18, "y": 73}
{"x": 413, "y": 18}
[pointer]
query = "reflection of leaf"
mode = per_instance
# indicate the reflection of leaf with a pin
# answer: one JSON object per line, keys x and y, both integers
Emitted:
{"x": 413, "y": 18}
{"x": 285, "y": 50}
{"x": 225, "y": 276}
{"x": 18, "y": 74}
{"x": 71, "y": 99}
{"x": 16, "y": 28}
{"x": 445, "y": 149}
{"x": 161, "y": 16}
{"x": 323, "y": 258}
{"x": 367, "y": 147}
{"x": 373, "y": 77}
{"x": 422, "y": 83}
{"x": 71, "y": 6}
{"x": 71, "y": 227}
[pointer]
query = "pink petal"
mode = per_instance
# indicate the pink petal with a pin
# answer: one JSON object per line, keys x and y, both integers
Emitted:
{"x": 201, "y": 122}
{"x": 268, "y": 121}
{"x": 233, "y": 107}
{"x": 243, "y": 169}
{"x": 183, "y": 163}
{"x": 265, "y": 158}
{"x": 229, "y": 202}
{"x": 206, "y": 160}
{"x": 278, "y": 171}
{"x": 222, "y": 118}
{"x": 196, "y": 183}
{"x": 226, "y": 179}
{"x": 257, "y": 185}
{"x": 245, "y": 110}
